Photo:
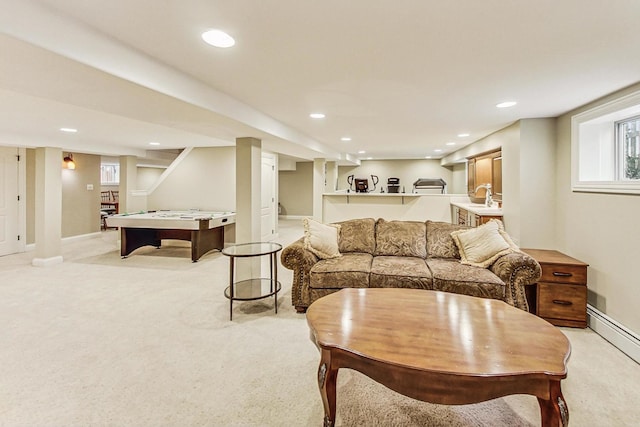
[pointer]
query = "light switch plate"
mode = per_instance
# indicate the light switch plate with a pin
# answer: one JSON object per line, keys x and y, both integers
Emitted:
{"x": 89, "y": 187}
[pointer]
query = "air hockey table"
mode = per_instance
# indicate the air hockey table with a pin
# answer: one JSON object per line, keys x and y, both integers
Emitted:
{"x": 205, "y": 230}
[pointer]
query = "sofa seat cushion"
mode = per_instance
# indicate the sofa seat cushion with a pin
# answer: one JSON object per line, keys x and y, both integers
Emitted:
{"x": 452, "y": 276}
{"x": 400, "y": 272}
{"x": 357, "y": 235}
{"x": 401, "y": 238}
{"x": 351, "y": 270}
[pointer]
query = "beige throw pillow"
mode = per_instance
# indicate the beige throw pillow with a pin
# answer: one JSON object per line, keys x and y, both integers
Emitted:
{"x": 321, "y": 239}
{"x": 483, "y": 245}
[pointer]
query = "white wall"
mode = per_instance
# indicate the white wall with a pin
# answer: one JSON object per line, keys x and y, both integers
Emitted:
{"x": 508, "y": 140}
{"x": 528, "y": 179}
{"x": 418, "y": 207}
{"x": 458, "y": 179}
{"x": 205, "y": 179}
{"x": 484, "y": 145}
{"x": 537, "y": 182}
{"x": 295, "y": 186}
{"x": 294, "y": 190}
{"x": 147, "y": 177}
{"x": 407, "y": 170}
{"x": 601, "y": 230}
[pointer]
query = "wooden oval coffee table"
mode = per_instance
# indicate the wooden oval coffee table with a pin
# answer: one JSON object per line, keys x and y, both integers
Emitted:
{"x": 439, "y": 347}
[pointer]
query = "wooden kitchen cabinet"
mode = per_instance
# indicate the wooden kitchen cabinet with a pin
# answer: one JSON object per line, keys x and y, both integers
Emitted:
{"x": 471, "y": 177}
{"x": 496, "y": 178}
{"x": 485, "y": 169}
{"x": 561, "y": 292}
{"x": 462, "y": 216}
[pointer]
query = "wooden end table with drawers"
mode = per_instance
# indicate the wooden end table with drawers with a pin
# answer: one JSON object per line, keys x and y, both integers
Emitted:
{"x": 561, "y": 293}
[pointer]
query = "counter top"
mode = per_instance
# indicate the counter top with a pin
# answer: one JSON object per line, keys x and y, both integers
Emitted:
{"x": 341, "y": 206}
{"x": 480, "y": 209}
{"x": 353, "y": 193}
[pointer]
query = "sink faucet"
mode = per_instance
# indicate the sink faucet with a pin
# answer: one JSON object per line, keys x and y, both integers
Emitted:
{"x": 488, "y": 198}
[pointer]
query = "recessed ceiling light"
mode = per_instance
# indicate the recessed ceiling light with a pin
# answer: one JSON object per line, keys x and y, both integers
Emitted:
{"x": 451, "y": 143}
{"x": 154, "y": 143}
{"x": 506, "y": 104}
{"x": 361, "y": 152}
{"x": 369, "y": 158}
{"x": 437, "y": 150}
{"x": 427, "y": 157}
{"x": 462, "y": 135}
{"x": 218, "y": 38}
{"x": 345, "y": 138}
{"x": 317, "y": 115}
{"x": 69, "y": 130}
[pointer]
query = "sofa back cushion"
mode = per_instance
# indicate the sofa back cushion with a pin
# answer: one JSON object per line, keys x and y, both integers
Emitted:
{"x": 401, "y": 238}
{"x": 357, "y": 235}
{"x": 440, "y": 244}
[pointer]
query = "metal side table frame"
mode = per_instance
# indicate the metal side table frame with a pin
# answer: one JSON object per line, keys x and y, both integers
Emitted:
{"x": 254, "y": 288}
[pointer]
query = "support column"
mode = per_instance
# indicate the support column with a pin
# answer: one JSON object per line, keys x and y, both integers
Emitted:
{"x": 128, "y": 179}
{"x": 248, "y": 201}
{"x": 332, "y": 177}
{"x": 48, "y": 207}
{"x": 319, "y": 184}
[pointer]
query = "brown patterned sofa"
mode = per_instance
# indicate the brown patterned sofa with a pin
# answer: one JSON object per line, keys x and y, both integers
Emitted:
{"x": 404, "y": 254}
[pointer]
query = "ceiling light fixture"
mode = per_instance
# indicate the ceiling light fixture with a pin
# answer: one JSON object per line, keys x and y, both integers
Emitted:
{"x": 427, "y": 157}
{"x": 437, "y": 150}
{"x": 317, "y": 115}
{"x": 218, "y": 38}
{"x": 68, "y": 162}
{"x": 68, "y": 130}
{"x": 361, "y": 152}
{"x": 154, "y": 143}
{"x": 451, "y": 143}
{"x": 345, "y": 139}
{"x": 506, "y": 104}
{"x": 463, "y": 135}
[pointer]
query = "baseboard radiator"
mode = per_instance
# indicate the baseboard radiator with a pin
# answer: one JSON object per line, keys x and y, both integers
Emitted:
{"x": 612, "y": 331}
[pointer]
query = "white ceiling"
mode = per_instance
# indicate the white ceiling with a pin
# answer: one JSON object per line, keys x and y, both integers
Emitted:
{"x": 401, "y": 78}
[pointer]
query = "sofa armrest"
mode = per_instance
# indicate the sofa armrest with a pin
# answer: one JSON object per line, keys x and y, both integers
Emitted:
{"x": 295, "y": 257}
{"x": 517, "y": 270}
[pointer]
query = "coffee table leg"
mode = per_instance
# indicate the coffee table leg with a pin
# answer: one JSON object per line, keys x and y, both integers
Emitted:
{"x": 554, "y": 412}
{"x": 327, "y": 377}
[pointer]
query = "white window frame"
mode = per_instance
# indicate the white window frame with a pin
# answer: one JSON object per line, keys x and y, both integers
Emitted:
{"x": 621, "y": 146}
{"x": 104, "y": 175}
{"x": 594, "y": 163}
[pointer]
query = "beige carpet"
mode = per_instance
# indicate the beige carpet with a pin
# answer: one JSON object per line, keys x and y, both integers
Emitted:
{"x": 146, "y": 341}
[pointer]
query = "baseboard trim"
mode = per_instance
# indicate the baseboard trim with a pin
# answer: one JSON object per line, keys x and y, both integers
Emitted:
{"x": 32, "y": 246}
{"x": 612, "y": 331}
{"x": 80, "y": 237}
{"x": 293, "y": 216}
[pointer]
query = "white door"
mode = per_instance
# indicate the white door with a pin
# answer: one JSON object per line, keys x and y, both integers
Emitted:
{"x": 268, "y": 203}
{"x": 8, "y": 201}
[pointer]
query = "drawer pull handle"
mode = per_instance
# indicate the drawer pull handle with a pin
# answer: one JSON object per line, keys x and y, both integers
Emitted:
{"x": 562, "y": 302}
{"x": 560, "y": 274}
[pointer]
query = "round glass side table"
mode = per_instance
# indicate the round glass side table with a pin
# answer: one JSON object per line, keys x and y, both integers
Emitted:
{"x": 255, "y": 288}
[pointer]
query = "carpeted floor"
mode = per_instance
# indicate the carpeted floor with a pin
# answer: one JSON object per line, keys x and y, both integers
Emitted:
{"x": 147, "y": 341}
